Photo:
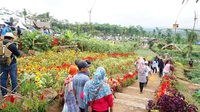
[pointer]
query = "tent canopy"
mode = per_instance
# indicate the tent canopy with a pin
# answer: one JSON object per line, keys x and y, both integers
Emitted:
{"x": 2, "y": 22}
{"x": 20, "y": 25}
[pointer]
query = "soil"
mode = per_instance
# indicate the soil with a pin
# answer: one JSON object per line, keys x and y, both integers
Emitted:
{"x": 130, "y": 99}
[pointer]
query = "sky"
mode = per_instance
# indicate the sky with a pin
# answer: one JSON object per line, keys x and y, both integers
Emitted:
{"x": 147, "y": 13}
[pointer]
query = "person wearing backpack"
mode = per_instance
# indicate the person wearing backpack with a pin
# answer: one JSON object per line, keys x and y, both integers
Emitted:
{"x": 9, "y": 50}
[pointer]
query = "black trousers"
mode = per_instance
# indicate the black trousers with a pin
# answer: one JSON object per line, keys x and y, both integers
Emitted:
{"x": 160, "y": 72}
{"x": 141, "y": 86}
{"x": 147, "y": 79}
{"x": 154, "y": 70}
{"x": 81, "y": 109}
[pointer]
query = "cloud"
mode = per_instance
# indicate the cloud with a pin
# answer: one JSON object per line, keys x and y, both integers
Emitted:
{"x": 147, "y": 13}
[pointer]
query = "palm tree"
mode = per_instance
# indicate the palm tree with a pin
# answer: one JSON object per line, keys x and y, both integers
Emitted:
{"x": 24, "y": 12}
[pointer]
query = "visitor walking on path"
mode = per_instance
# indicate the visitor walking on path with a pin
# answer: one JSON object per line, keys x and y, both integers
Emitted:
{"x": 79, "y": 81}
{"x": 155, "y": 66}
{"x": 141, "y": 73}
{"x": 19, "y": 32}
{"x": 161, "y": 66}
{"x": 69, "y": 97}
{"x": 148, "y": 73}
{"x": 98, "y": 92}
{"x": 168, "y": 69}
{"x": 12, "y": 67}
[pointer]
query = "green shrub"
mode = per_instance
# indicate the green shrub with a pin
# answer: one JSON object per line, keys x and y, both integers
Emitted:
{"x": 160, "y": 45}
{"x": 151, "y": 43}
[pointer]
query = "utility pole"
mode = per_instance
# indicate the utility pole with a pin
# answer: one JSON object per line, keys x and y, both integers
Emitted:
{"x": 90, "y": 12}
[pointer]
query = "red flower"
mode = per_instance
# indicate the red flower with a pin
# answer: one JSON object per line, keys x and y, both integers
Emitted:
{"x": 42, "y": 96}
{"x": 3, "y": 105}
{"x": 55, "y": 41}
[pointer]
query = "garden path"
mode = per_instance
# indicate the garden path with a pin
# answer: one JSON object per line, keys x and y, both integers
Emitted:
{"x": 130, "y": 99}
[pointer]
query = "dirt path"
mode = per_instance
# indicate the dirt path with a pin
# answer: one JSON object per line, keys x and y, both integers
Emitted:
{"x": 130, "y": 100}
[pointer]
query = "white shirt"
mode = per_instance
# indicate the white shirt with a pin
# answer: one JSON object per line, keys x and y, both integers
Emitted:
{"x": 148, "y": 70}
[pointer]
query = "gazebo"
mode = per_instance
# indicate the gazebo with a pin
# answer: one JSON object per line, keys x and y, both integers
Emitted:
{"x": 40, "y": 25}
{"x": 171, "y": 46}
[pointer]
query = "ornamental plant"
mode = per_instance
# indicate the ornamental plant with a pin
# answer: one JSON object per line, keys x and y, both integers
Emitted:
{"x": 174, "y": 102}
{"x": 169, "y": 99}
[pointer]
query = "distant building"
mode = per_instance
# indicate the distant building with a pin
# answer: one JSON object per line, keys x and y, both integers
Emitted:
{"x": 42, "y": 26}
{"x": 39, "y": 25}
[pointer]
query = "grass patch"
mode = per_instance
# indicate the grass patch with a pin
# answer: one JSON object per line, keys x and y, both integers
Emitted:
{"x": 145, "y": 53}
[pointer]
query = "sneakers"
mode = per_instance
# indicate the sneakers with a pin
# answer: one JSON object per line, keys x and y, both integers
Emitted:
{"x": 5, "y": 96}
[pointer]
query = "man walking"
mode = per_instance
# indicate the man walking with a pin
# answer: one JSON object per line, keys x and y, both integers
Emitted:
{"x": 12, "y": 67}
{"x": 79, "y": 81}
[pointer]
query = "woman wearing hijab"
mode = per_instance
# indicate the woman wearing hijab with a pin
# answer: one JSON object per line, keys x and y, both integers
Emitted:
{"x": 141, "y": 73}
{"x": 69, "y": 97}
{"x": 104, "y": 99}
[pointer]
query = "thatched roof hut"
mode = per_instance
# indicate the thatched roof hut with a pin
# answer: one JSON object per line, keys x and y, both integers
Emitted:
{"x": 171, "y": 46}
{"x": 42, "y": 25}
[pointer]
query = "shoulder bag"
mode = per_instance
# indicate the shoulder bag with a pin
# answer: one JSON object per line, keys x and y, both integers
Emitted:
{"x": 90, "y": 106}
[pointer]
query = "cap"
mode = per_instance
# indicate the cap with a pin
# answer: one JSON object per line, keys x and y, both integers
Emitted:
{"x": 88, "y": 62}
{"x": 82, "y": 64}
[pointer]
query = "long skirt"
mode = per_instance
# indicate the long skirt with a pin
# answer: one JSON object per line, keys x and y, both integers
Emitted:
{"x": 71, "y": 102}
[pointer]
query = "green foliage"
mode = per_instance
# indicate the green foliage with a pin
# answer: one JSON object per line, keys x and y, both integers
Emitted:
{"x": 102, "y": 46}
{"x": 169, "y": 40}
{"x": 151, "y": 43}
{"x": 11, "y": 107}
{"x": 195, "y": 75}
{"x": 196, "y": 96}
{"x": 34, "y": 41}
{"x": 32, "y": 101}
{"x": 160, "y": 45}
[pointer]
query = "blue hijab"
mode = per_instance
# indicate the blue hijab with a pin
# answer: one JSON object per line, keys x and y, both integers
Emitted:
{"x": 92, "y": 86}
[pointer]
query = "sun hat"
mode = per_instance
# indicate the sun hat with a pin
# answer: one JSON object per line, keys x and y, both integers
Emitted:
{"x": 82, "y": 64}
{"x": 9, "y": 34}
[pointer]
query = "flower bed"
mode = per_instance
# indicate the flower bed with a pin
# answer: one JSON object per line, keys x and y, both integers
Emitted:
{"x": 168, "y": 99}
{"x": 49, "y": 69}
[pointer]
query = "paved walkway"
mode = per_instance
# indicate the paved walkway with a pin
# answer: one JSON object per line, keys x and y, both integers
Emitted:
{"x": 130, "y": 100}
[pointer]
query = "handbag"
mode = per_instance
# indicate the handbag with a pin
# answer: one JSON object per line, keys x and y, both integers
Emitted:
{"x": 90, "y": 106}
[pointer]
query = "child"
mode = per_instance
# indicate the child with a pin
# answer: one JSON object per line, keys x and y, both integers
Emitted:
{"x": 148, "y": 72}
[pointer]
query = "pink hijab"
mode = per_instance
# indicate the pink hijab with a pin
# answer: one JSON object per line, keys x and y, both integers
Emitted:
{"x": 141, "y": 65}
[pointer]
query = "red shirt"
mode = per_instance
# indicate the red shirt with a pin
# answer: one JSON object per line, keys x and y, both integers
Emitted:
{"x": 103, "y": 104}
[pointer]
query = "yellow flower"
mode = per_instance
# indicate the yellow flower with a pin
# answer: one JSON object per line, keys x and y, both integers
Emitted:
{"x": 38, "y": 83}
{"x": 37, "y": 78}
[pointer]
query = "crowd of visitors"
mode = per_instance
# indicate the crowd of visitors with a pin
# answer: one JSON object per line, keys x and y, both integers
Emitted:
{"x": 158, "y": 65}
{"x": 83, "y": 94}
